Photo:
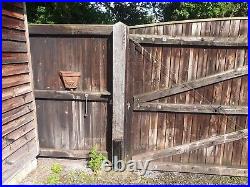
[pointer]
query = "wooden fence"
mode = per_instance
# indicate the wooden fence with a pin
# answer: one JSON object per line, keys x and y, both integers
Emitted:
{"x": 19, "y": 133}
{"x": 70, "y": 123}
{"x": 174, "y": 93}
{"x": 186, "y": 95}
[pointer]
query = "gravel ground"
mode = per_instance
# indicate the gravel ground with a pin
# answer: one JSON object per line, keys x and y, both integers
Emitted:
{"x": 76, "y": 172}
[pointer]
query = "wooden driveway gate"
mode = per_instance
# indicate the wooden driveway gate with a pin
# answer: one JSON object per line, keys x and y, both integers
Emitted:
{"x": 66, "y": 126}
{"x": 173, "y": 93}
{"x": 186, "y": 95}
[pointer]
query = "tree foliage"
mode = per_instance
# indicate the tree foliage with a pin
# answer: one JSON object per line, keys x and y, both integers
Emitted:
{"x": 182, "y": 11}
{"x": 130, "y": 13}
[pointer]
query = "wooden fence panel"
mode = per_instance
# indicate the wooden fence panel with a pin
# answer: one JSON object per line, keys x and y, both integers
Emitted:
{"x": 62, "y": 113}
{"x": 169, "y": 65}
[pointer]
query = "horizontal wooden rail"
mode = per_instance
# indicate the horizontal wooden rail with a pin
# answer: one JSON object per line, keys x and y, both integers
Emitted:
{"x": 187, "y": 21}
{"x": 212, "y": 141}
{"x": 195, "y": 168}
{"x": 186, "y": 86}
{"x": 190, "y": 40}
{"x": 71, "y": 95}
{"x": 59, "y": 153}
{"x": 70, "y": 29}
{"x": 191, "y": 108}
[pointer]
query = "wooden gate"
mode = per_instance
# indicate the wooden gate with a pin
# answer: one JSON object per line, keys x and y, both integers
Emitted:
{"x": 186, "y": 95}
{"x": 70, "y": 123}
{"x": 176, "y": 93}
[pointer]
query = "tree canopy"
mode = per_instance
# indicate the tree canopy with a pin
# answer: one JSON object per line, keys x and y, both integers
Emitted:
{"x": 130, "y": 13}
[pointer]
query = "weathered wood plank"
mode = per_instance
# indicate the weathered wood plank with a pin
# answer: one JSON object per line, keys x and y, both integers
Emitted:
{"x": 72, "y": 29}
{"x": 13, "y": 35}
{"x": 18, "y": 144}
{"x": 13, "y": 136}
{"x": 185, "y": 21}
{"x": 11, "y": 92}
{"x": 192, "y": 108}
{"x": 120, "y": 46}
{"x": 16, "y": 156}
{"x": 120, "y": 41}
{"x": 12, "y": 23}
{"x": 17, "y": 112}
{"x": 61, "y": 153}
{"x": 13, "y": 14}
{"x": 15, "y": 102}
{"x": 72, "y": 95}
{"x": 14, "y": 58}
{"x": 14, "y": 69}
{"x": 13, "y": 46}
{"x": 15, "y": 80}
{"x": 190, "y": 40}
{"x": 11, "y": 126}
{"x": 186, "y": 86}
{"x": 194, "y": 168}
{"x": 15, "y": 166}
{"x": 216, "y": 140}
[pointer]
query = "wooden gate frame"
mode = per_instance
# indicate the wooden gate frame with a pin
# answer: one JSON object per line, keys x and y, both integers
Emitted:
{"x": 124, "y": 106}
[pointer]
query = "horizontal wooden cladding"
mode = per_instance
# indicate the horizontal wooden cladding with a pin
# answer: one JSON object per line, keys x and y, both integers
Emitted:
{"x": 66, "y": 153}
{"x": 187, "y": 21}
{"x": 14, "y": 58}
{"x": 14, "y": 69}
{"x": 12, "y": 23}
{"x": 8, "y": 93}
{"x": 15, "y": 164}
{"x": 195, "y": 168}
{"x": 64, "y": 29}
{"x": 13, "y": 8}
{"x": 13, "y": 125}
{"x": 186, "y": 86}
{"x": 13, "y": 14}
{"x": 71, "y": 95}
{"x": 212, "y": 141}
{"x": 11, "y": 34}
{"x": 190, "y": 40}
{"x": 14, "y": 46}
{"x": 15, "y": 102}
{"x": 14, "y": 135}
{"x": 15, "y": 80}
{"x": 18, "y": 143}
{"x": 191, "y": 108}
{"x": 17, "y": 112}
{"x": 17, "y": 5}
{"x": 17, "y": 155}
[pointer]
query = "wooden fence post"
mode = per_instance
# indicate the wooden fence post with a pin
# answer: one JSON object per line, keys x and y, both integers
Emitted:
{"x": 120, "y": 41}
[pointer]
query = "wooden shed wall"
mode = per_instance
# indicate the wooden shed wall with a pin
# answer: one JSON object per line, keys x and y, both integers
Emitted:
{"x": 19, "y": 136}
{"x": 176, "y": 64}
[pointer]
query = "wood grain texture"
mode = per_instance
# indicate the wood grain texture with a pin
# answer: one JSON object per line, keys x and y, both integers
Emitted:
{"x": 61, "y": 113}
{"x": 187, "y": 108}
{"x": 19, "y": 137}
{"x": 181, "y": 64}
{"x": 186, "y": 86}
{"x": 190, "y": 41}
{"x": 195, "y": 168}
{"x": 216, "y": 140}
{"x": 119, "y": 62}
{"x": 64, "y": 29}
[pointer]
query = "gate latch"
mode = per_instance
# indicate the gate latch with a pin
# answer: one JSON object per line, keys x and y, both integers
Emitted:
{"x": 86, "y": 105}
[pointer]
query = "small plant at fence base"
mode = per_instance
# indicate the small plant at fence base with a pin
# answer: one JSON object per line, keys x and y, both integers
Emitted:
{"x": 54, "y": 177}
{"x": 96, "y": 160}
